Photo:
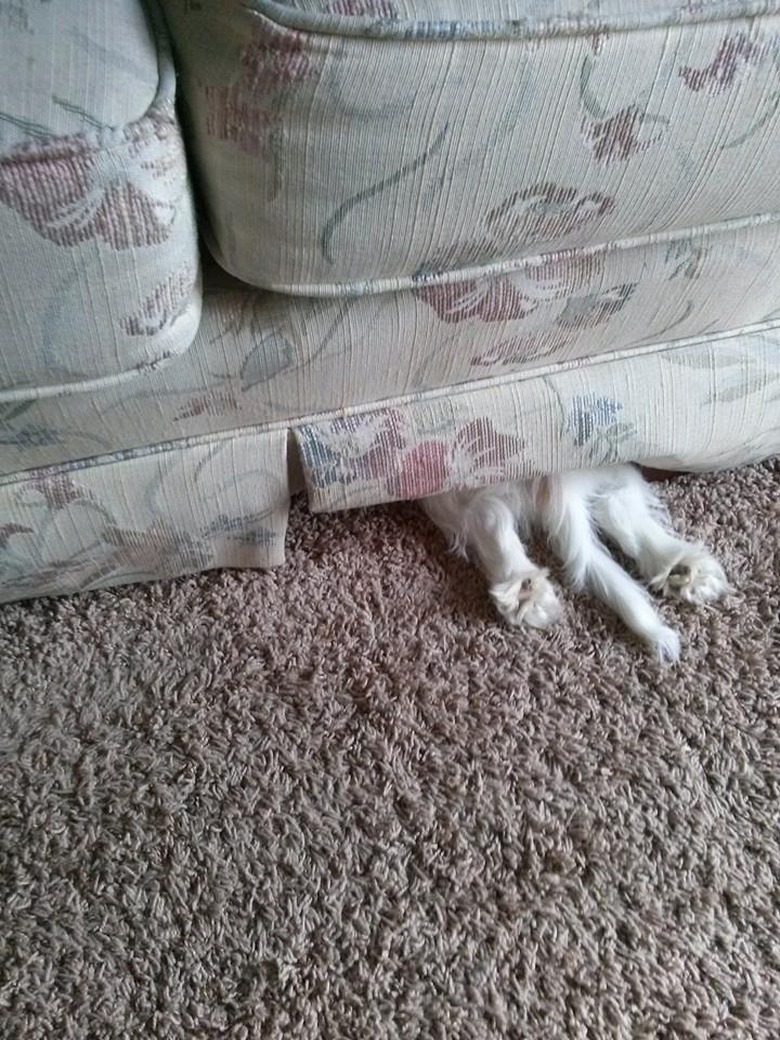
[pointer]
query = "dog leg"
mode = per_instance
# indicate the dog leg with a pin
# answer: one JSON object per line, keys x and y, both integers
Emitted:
{"x": 567, "y": 519}
{"x": 483, "y": 523}
{"x": 627, "y": 510}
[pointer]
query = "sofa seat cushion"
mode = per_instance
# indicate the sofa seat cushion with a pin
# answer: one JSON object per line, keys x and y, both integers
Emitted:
{"x": 100, "y": 270}
{"x": 261, "y": 359}
{"x": 357, "y": 146}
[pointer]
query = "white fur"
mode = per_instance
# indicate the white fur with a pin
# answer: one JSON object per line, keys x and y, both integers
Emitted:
{"x": 570, "y": 509}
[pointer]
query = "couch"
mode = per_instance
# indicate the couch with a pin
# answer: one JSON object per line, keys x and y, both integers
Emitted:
{"x": 369, "y": 250}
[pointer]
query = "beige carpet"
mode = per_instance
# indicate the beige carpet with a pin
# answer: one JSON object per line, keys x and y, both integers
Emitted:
{"x": 340, "y": 800}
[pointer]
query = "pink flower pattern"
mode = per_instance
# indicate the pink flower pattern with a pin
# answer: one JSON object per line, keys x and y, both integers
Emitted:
{"x": 78, "y": 194}
{"x": 735, "y": 55}
{"x": 246, "y": 112}
{"x": 616, "y": 138}
{"x": 498, "y": 299}
{"x": 274, "y": 60}
{"x": 384, "y": 449}
{"x": 476, "y": 453}
{"x": 231, "y": 116}
{"x": 488, "y": 300}
{"x": 560, "y": 274}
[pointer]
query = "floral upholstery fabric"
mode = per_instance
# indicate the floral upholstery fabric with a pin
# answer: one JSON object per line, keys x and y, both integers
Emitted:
{"x": 260, "y": 358}
{"x": 138, "y": 516}
{"x": 101, "y": 68}
{"x": 100, "y": 264}
{"x": 651, "y": 410}
{"x": 361, "y": 146}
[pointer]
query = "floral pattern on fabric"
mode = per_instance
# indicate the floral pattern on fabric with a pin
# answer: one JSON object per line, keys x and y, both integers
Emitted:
{"x": 591, "y": 413}
{"x": 223, "y": 502}
{"x": 126, "y": 195}
{"x": 471, "y": 453}
{"x": 188, "y": 510}
{"x": 246, "y": 112}
{"x": 586, "y": 311}
{"x": 561, "y": 274}
{"x": 615, "y": 136}
{"x": 545, "y": 212}
{"x": 542, "y": 213}
{"x": 168, "y": 302}
{"x": 101, "y": 253}
{"x": 488, "y": 299}
{"x": 517, "y": 351}
{"x": 594, "y": 423}
{"x": 618, "y": 136}
{"x": 382, "y": 448}
{"x": 512, "y": 298}
{"x": 264, "y": 357}
{"x": 735, "y": 57}
{"x": 711, "y": 400}
{"x": 400, "y": 152}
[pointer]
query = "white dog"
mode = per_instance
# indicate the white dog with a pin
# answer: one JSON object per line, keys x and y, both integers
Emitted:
{"x": 570, "y": 508}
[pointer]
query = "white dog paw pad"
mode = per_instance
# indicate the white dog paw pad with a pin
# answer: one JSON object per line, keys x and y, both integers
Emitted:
{"x": 527, "y": 599}
{"x": 696, "y": 578}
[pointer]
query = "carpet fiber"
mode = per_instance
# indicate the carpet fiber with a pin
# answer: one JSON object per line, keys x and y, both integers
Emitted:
{"x": 341, "y": 800}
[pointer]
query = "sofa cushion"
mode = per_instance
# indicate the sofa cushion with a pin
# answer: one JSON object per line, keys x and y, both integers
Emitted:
{"x": 350, "y": 146}
{"x": 69, "y": 68}
{"x": 99, "y": 273}
{"x": 263, "y": 359}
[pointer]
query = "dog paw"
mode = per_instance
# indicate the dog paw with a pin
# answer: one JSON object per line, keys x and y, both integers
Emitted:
{"x": 527, "y": 599}
{"x": 695, "y": 577}
{"x": 665, "y": 643}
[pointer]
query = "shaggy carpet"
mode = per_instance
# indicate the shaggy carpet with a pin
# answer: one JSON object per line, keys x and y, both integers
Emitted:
{"x": 341, "y": 800}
